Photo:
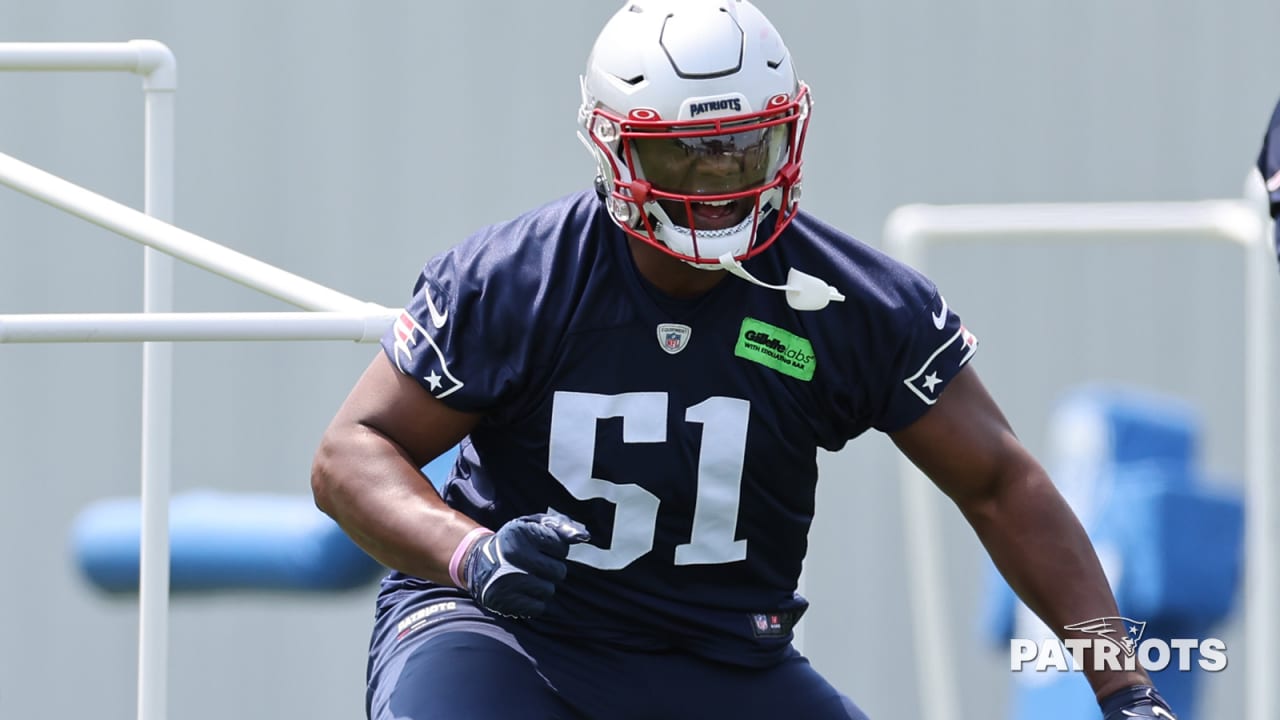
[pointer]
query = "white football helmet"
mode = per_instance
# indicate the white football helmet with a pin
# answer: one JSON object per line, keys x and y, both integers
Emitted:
{"x": 697, "y": 120}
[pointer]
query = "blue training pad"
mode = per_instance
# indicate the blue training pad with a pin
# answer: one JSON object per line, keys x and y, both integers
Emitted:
{"x": 224, "y": 541}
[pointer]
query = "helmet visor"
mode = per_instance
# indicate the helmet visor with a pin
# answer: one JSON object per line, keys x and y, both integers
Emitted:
{"x": 689, "y": 163}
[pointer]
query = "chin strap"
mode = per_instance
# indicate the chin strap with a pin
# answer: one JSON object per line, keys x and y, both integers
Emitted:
{"x": 804, "y": 291}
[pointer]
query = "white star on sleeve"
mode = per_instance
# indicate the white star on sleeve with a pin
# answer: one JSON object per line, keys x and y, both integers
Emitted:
{"x": 930, "y": 381}
{"x": 434, "y": 379}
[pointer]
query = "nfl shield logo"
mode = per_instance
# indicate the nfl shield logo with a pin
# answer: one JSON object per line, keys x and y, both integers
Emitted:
{"x": 673, "y": 337}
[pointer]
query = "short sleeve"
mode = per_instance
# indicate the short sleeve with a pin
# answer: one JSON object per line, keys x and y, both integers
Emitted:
{"x": 934, "y": 346}
{"x": 453, "y": 342}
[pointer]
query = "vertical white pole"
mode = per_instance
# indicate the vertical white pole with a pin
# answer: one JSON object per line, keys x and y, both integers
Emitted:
{"x": 1262, "y": 531}
{"x": 156, "y": 62}
{"x": 931, "y": 636}
{"x": 939, "y": 696}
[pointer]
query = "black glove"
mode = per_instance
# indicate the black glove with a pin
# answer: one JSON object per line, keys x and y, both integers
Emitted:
{"x": 515, "y": 571}
{"x": 1138, "y": 701}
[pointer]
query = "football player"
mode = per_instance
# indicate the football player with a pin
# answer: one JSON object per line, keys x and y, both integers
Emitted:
{"x": 639, "y": 377}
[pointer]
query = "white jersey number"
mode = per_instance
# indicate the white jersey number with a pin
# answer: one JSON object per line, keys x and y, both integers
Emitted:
{"x": 574, "y": 417}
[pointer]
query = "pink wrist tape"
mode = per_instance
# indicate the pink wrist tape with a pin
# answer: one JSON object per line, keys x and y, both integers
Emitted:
{"x": 460, "y": 551}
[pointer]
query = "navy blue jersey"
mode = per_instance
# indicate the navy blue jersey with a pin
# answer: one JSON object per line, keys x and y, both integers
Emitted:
{"x": 683, "y": 434}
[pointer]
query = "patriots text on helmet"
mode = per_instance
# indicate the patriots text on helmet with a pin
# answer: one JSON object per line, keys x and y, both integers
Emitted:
{"x": 697, "y": 109}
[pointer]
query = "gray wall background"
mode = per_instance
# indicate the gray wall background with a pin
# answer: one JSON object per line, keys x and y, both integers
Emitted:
{"x": 347, "y": 142}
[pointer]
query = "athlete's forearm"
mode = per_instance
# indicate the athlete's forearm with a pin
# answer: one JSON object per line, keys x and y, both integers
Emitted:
{"x": 1040, "y": 547}
{"x": 367, "y": 484}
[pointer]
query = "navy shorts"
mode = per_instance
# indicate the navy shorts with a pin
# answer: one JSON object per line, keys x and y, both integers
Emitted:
{"x": 434, "y": 654}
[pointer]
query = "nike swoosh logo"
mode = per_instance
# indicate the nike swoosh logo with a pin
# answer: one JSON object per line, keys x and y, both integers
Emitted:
{"x": 437, "y": 318}
{"x": 939, "y": 318}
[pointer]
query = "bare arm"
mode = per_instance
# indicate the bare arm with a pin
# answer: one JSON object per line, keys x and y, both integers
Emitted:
{"x": 965, "y": 445}
{"x": 366, "y": 475}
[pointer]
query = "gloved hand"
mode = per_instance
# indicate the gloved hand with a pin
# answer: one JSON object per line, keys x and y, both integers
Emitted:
{"x": 1138, "y": 701}
{"x": 515, "y": 571}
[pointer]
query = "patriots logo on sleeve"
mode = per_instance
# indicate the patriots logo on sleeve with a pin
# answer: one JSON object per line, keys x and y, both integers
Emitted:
{"x": 943, "y": 364}
{"x": 417, "y": 355}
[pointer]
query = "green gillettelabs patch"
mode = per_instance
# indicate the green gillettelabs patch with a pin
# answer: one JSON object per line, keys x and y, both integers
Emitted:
{"x": 776, "y": 349}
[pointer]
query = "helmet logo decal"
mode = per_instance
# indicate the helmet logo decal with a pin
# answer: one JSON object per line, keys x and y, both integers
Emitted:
{"x": 734, "y": 104}
{"x": 673, "y": 337}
